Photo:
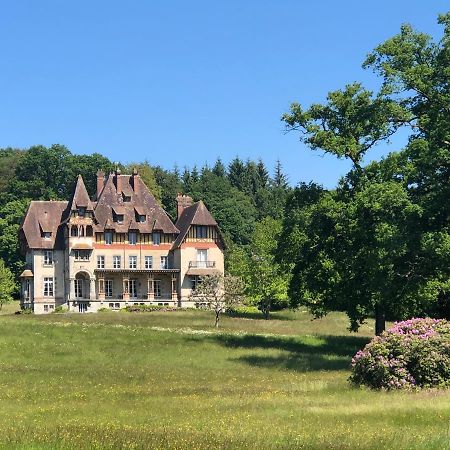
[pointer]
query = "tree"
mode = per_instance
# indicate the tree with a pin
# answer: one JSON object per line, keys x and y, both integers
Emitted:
{"x": 219, "y": 168}
{"x": 219, "y": 292}
{"x": 7, "y": 285}
{"x": 378, "y": 241}
{"x": 268, "y": 284}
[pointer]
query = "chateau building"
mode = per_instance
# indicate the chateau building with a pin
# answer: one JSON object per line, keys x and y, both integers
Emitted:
{"x": 121, "y": 249}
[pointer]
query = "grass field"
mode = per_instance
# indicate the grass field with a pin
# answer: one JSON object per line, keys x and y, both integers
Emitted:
{"x": 169, "y": 380}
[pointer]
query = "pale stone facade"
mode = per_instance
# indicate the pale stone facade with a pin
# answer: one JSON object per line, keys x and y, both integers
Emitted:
{"x": 121, "y": 249}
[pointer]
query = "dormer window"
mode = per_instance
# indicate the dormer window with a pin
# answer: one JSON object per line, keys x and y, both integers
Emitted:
{"x": 142, "y": 218}
{"x": 47, "y": 235}
{"x": 81, "y": 211}
{"x": 119, "y": 218}
{"x": 126, "y": 198}
{"x": 156, "y": 238}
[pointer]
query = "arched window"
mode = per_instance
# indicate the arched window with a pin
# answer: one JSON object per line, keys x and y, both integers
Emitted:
{"x": 89, "y": 231}
{"x": 74, "y": 230}
{"x": 81, "y": 230}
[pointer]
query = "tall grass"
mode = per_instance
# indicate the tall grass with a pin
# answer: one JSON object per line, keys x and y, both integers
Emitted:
{"x": 168, "y": 380}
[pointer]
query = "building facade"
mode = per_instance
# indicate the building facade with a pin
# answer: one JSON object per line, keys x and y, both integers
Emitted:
{"x": 120, "y": 249}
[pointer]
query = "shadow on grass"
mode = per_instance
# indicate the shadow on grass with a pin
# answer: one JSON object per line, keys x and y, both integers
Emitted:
{"x": 302, "y": 354}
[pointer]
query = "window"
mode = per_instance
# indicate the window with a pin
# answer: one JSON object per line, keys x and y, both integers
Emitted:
{"x": 132, "y": 237}
{"x": 157, "y": 288}
{"x": 74, "y": 231}
{"x": 100, "y": 262}
{"x": 48, "y": 287}
{"x": 142, "y": 218}
{"x": 133, "y": 289}
{"x": 108, "y": 288}
{"x": 81, "y": 212}
{"x": 45, "y": 308}
{"x": 126, "y": 198}
{"x": 82, "y": 255}
{"x": 46, "y": 234}
{"x": 51, "y": 306}
{"x": 156, "y": 238}
{"x": 132, "y": 262}
{"x": 164, "y": 262}
{"x": 48, "y": 257}
{"x": 202, "y": 259}
{"x": 108, "y": 237}
{"x": 148, "y": 262}
{"x": 201, "y": 231}
{"x": 119, "y": 218}
{"x": 116, "y": 262}
{"x": 78, "y": 283}
{"x": 89, "y": 231}
{"x": 195, "y": 280}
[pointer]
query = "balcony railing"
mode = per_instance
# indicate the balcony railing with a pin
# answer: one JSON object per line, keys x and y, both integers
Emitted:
{"x": 202, "y": 264}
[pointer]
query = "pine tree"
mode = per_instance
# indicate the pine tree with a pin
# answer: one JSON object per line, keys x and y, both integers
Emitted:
{"x": 219, "y": 168}
{"x": 280, "y": 179}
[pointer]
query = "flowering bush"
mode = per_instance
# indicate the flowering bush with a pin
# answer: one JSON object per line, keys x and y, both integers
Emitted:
{"x": 413, "y": 353}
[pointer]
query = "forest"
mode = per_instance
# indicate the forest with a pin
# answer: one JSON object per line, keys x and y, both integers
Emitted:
{"x": 376, "y": 245}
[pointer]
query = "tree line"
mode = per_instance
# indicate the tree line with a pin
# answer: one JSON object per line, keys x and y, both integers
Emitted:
{"x": 376, "y": 245}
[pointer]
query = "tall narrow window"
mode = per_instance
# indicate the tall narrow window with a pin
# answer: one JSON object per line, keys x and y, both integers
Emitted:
{"x": 132, "y": 237}
{"x": 48, "y": 287}
{"x": 133, "y": 288}
{"x": 108, "y": 288}
{"x": 202, "y": 258}
{"x": 48, "y": 257}
{"x": 108, "y": 237}
{"x": 100, "y": 262}
{"x": 156, "y": 238}
{"x": 157, "y": 288}
{"x": 164, "y": 262}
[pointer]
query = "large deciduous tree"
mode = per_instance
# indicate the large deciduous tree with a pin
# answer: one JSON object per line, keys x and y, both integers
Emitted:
{"x": 381, "y": 241}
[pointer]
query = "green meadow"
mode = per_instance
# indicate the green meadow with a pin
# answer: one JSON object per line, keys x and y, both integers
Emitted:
{"x": 169, "y": 380}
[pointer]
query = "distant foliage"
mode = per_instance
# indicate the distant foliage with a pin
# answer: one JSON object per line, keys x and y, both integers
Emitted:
{"x": 412, "y": 354}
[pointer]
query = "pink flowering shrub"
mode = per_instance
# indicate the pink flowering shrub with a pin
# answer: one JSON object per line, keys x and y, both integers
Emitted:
{"x": 413, "y": 353}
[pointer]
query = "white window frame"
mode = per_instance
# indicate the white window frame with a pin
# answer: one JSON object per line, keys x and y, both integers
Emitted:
{"x": 164, "y": 262}
{"x": 117, "y": 262}
{"x": 132, "y": 262}
{"x": 49, "y": 287}
{"x": 149, "y": 262}
{"x": 100, "y": 261}
{"x": 48, "y": 258}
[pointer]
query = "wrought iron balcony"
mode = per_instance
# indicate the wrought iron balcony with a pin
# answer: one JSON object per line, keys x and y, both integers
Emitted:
{"x": 202, "y": 264}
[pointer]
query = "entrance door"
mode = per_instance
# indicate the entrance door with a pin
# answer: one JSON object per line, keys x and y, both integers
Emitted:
{"x": 133, "y": 290}
{"x": 78, "y": 288}
{"x": 82, "y": 307}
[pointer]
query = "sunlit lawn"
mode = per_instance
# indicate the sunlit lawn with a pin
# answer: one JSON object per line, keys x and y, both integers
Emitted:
{"x": 169, "y": 380}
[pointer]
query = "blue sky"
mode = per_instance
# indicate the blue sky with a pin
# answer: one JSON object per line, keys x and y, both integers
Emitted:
{"x": 185, "y": 82}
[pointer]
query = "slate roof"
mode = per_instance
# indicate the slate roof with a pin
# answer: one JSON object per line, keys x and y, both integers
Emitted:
{"x": 44, "y": 216}
{"x": 141, "y": 200}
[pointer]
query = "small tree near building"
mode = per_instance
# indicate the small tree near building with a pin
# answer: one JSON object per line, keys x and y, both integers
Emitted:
{"x": 6, "y": 284}
{"x": 219, "y": 293}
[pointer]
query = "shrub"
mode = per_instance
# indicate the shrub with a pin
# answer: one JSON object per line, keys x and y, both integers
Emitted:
{"x": 148, "y": 308}
{"x": 413, "y": 353}
{"x": 59, "y": 309}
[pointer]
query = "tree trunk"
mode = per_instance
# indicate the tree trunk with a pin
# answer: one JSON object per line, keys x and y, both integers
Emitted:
{"x": 216, "y": 324}
{"x": 380, "y": 320}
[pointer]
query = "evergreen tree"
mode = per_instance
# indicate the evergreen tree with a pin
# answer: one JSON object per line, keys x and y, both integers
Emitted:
{"x": 219, "y": 168}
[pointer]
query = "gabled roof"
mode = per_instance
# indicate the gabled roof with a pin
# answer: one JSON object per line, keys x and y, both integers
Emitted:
{"x": 197, "y": 214}
{"x": 44, "y": 216}
{"x": 141, "y": 200}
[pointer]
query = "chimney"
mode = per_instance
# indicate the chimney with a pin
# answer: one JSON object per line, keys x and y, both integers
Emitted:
{"x": 118, "y": 181}
{"x": 135, "y": 181}
{"x": 183, "y": 201}
{"x": 100, "y": 182}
